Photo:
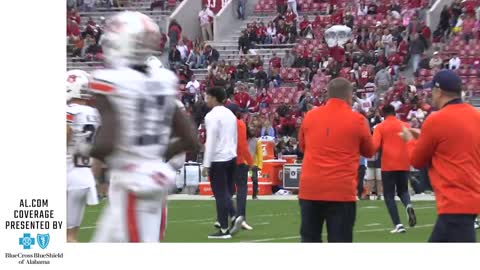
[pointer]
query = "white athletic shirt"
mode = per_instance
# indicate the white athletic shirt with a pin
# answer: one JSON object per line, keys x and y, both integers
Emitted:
{"x": 145, "y": 105}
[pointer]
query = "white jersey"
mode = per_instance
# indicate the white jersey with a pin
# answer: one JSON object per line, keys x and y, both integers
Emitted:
{"x": 84, "y": 122}
{"x": 145, "y": 105}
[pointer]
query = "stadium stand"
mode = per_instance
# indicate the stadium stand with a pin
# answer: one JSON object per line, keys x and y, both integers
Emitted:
{"x": 278, "y": 78}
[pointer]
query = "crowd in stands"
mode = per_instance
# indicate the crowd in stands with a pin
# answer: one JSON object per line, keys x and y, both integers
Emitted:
{"x": 84, "y": 39}
{"x": 391, "y": 38}
{"x": 99, "y": 5}
{"x": 388, "y": 60}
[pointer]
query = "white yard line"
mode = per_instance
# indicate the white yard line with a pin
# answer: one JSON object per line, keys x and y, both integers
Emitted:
{"x": 360, "y": 231}
{"x": 207, "y": 220}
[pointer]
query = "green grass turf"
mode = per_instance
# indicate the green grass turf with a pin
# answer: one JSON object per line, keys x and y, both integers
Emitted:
{"x": 278, "y": 221}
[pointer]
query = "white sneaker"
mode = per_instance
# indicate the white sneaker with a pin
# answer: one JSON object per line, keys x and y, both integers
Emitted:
{"x": 398, "y": 229}
{"x": 236, "y": 225}
{"x": 477, "y": 224}
{"x": 245, "y": 226}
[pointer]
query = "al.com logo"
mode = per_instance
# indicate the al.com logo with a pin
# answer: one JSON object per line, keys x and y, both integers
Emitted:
{"x": 27, "y": 241}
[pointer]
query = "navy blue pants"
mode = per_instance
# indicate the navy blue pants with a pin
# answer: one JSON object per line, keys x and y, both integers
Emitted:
{"x": 241, "y": 177}
{"x": 361, "y": 175}
{"x": 395, "y": 182}
{"x": 340, "y": 218}
{"x": 454, "y": 228}
{"x": 222, "y": 177}
{"x": 254, "y": 181}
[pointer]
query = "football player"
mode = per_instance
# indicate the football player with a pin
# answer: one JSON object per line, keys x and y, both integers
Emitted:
{"x": 82, "y": 123}
{"x": 139, "y": 116}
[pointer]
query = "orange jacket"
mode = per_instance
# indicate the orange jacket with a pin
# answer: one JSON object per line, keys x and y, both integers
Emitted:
{"x": 450, "y": 142}
{"x": 243, "y": 153}
{"x": 332, "y": 138}
{"x": 394, "y": 149}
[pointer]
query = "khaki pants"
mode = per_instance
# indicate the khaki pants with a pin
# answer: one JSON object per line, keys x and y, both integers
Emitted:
{"x": 207, "y": 32}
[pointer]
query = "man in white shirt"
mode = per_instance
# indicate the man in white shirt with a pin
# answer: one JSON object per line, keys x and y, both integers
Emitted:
{"x": 454, "y": 63}
{"x": 183, "y": 49}
{"x": 365, "y": 103}
{"x": 219, "y": 160}
{"x": 204, "y": 15}
{"x": 192, "y": 88}
{"x": 396, "y": 103}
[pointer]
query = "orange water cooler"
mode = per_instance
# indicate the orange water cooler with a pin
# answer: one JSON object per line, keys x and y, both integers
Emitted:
{"x": 290, "y": 159}
{"x": 272, "y": 170}
{"x": 268, "y": 148}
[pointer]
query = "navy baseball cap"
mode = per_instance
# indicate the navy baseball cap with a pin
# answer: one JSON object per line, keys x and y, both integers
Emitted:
{"x": 447, "y": 80}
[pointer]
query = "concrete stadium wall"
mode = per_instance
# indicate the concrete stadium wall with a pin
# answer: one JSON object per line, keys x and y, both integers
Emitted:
{"x": 224, "y": 20}
{"x": 186, "y": 15}
{"x": 433, "y": 15}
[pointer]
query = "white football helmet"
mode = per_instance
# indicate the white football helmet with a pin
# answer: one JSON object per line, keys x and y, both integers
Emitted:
{"x": 154, "y": 62}
{"x": 129, "y": 39}
{"x": 77, "y": 84}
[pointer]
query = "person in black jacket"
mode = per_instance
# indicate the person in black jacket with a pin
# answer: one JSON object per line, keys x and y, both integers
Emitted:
{"x": 261, "y": 78}
{"x": 211, "y": 54}
{"x": 242, "y": 71}
{"x": 243, "y": 42}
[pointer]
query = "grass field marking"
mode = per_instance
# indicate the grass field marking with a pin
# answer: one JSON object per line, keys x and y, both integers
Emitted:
{"x": 207, "y": 220}
{"x": 88, "y": 227}
{"x": 424, "y": 207}
{"x": 372, "y": 224}
{"x": 324, "y": 234}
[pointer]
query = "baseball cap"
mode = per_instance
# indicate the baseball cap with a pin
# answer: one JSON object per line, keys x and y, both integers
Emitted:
{"x": 234, "y": 108}
{"x": 446, "y": 80}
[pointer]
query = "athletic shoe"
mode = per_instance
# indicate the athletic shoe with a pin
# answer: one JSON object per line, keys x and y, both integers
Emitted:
{"x": 477, "y": 224}
{"x": 254, "y": 197}
{"x": 412, "y": 219}
{"x": 236, "y": 225}
{"x": 398, "y": 229}
{"x": 245, "y": 226}
{"x": 220, "y": 235}
{"x": 217, "y": 224}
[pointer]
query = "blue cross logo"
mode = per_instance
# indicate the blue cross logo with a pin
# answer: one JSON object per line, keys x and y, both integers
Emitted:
{"x": 26, "y": 241}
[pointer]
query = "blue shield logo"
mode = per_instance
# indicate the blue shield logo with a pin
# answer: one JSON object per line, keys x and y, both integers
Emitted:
{"x": 43, "y": 240}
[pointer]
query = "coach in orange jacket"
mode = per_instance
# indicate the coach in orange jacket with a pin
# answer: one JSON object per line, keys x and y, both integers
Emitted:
{"x": 450, "y": 141}
{"x": 244, "y": 162}
{"x": 395, "y": 166}
{"x": 332, "y": 138}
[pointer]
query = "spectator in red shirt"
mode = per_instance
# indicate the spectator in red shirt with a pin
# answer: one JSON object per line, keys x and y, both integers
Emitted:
{"x": 74, "y": 15}
{"x": 261, "y": 32}
{"x": 338, "y": 54}
{"x": 365, "y": 75}
{"x": 241, "y": 97}
{"x": 264, "y": 99}
{"x": 403, "y": 48}
{"x": 337, "y": 17}
{"x": 395, "y": 61}
{"x": 467, "y": 28}
{"x": 317, "y": 21}
{"x": 305, "y": 25}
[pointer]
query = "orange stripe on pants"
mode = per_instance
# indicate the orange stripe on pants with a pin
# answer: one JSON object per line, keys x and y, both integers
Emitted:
{"x": 163, "y": 223}
{"x": 132, "y": 224}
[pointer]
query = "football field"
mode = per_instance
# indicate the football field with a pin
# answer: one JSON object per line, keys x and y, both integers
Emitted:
{"x": 279, "y": 221}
